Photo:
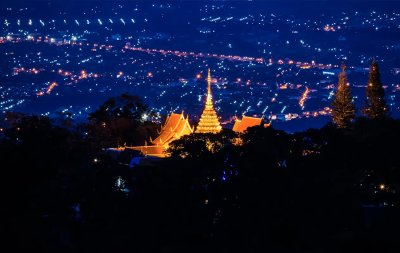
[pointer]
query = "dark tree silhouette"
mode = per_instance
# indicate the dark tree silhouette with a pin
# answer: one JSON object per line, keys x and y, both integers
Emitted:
{"x": 121, "y": 121}
{"x": 198, "y": 145}
{"x": 124, "y": 106}
{"x": 343, "y": 110}
{"x": 376, "y": 107}
{"x": 322, "y": 190}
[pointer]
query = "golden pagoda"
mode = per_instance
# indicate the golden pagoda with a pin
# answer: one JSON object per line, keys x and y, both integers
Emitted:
{"x": 209, "y": 122}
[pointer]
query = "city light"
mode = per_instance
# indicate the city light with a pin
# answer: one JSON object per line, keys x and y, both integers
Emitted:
{"x": 304, "y": 97}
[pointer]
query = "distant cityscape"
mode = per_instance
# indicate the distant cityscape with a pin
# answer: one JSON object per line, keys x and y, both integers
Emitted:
{"x": 200, "y": 126}
{"x": 265, "y": 62}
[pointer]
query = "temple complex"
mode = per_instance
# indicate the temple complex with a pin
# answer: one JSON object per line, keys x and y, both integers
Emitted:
{"x": 209, "y": 122}
{"x": 177, "y": 126}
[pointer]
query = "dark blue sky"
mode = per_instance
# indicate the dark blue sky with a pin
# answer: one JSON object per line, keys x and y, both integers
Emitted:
{"x": 266, "y": 1}
{"x": 283, "y": 2}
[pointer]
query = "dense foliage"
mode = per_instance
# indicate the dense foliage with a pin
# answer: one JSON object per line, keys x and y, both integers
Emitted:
{"x": 121, "y": 121}
{"x": 343, "y": 109}
{"x": 326, "y": 190}
{"x": 376, "y": 107}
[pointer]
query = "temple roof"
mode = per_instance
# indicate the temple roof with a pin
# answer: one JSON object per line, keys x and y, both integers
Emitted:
{"x": 157, "y": 151}
{"x": 246, "y": 122}
{"x": 174, "y": 128}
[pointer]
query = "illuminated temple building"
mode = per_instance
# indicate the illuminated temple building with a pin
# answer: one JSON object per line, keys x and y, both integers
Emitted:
{"x": 246, "y": 122}
{"x": 177, "y": 126}
{"x": 174, "y": 128}
{"x": 209, "y": 122}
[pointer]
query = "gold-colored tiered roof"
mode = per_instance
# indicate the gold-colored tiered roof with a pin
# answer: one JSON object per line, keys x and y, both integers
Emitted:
{"x": 209, "y": 122}
{"x": 174, "y": 128}
{"x": 246, "y": 122}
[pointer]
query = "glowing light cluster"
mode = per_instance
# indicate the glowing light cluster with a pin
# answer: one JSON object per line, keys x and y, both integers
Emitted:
{"x": 196, "y": 55}
{"x": 51, "y": 87}
{"x": 304, "y": 97}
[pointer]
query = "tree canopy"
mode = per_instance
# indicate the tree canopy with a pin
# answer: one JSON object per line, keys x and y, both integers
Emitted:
{"x": 343, "y": 109}
{"x": 376, "y": 107}
{"x": 120, "y": 121}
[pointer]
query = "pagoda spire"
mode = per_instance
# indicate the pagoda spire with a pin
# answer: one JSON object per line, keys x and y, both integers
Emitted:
{"x": 209, "y": 122}
{"x": 209, "y": 84}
